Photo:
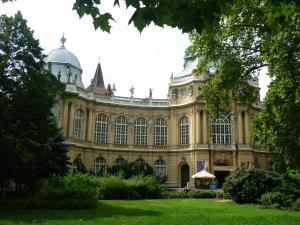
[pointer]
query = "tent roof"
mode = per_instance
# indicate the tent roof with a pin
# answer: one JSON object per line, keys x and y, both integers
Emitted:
{"x": 203, "y": 174}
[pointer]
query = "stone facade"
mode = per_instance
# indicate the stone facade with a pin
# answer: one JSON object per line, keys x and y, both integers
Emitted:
{"x": 195, "y": 143}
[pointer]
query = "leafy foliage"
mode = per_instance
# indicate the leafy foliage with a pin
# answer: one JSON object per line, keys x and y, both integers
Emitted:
{"x": 247, "y": 186}
{"x": 276, "y": 200}
{"x": 75, "y": 191}
{"x": 139, "y": 187}
{"x": 32, "y": 145}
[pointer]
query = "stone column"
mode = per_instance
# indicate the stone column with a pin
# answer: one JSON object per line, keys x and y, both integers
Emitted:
{"x": 65, "y": 118}
{"x": 89, "y": 125}
{"x": 150, "y": 133}
{"x": 130, "y": 132}
{"x": 111, "y": 130}
{"x": 240, "y": 122}
{"x": 234, "y": 159}
{"x": 71, "y": 120}
{"x": 197, "y": 127}
{"x": 205, "y": 128}
{"x": 247, "y": 127}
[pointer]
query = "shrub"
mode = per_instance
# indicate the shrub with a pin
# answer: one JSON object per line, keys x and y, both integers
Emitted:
{"x": 289, "y": 184}
{"x": 74, "y": 191}
{"x": 174, "y": 194}
{"x": 144, "y": 187}
{"x": 276, "y": 200}
{"x": 139, "y": 187}
{"x": 296, "y": 205}
{"x": 247, "y": 186}
{"x": 112, "y": 187}
{"x": 202, "y": 194}
{"x": 222, "y": 195}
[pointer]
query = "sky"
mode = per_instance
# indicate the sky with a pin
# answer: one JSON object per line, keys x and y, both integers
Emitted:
{"x": 128, "y": 58}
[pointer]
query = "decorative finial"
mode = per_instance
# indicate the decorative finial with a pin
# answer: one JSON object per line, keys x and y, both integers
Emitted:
{"x": 63, "y": 40}
{"x": 131, "y": 91}
{"x": 171, "y": 77}
{"x": 99, "y": 59}
{"x": 150, "y": 93}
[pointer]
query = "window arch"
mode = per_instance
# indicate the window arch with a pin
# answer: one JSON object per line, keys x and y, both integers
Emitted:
{"x": 101, "y": 127}
{"x": 78, "y": 124}
{"x": 120, "y": 161}
{"x": 160, "y": 168}
{"x": 121, "y": 130}
{"x": 184, "y": 130}
{"x": 140, "y": 131}
{"x": 221, "y": 130}
{"x": 100, "y": 166}
{"x": 160, "y": 132}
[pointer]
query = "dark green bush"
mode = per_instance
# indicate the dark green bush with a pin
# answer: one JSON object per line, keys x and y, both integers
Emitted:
{"x": 222, "y": 195}
{"x": 247, "y": 186}
{"x": 202, "y": 194}
{"x": 296, "y": 205}
{"x": 74, "y": 191}
{"x": 276, "y": 200}
{"x": 139, "y": 187}
{"x": 174, "y": 194}
{"x": 289, "y": 184}
{"x": 112, "y": 187}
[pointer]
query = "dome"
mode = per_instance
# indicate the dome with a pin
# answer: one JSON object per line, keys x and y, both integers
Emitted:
{"x": 65, "y": 65}
{"x": 62, "y": 55}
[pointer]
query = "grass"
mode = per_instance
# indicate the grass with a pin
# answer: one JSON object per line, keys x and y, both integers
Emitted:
{"x": 142, "y": 212}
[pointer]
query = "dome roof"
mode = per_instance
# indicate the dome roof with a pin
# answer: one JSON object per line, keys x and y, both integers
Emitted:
{"x": 62, "y": 55}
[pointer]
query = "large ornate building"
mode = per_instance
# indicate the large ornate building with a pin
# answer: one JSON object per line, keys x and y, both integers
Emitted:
{"x": 177, "y": 135}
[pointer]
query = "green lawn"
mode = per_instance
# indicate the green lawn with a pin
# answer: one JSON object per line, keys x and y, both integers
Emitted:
{"x": 157, "y": 212}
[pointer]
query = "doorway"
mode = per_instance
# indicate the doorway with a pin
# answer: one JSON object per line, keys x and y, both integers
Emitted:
{"x": 220, "y": 177}
{"x": 185, "y": 175}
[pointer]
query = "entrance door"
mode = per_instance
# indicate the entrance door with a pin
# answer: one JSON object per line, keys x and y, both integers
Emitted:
{"x": 185, "y": 175}
{"x": 220, "y": 176}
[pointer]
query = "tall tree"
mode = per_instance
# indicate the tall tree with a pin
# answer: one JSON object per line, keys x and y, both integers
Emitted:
{"x": 31, "y": 143}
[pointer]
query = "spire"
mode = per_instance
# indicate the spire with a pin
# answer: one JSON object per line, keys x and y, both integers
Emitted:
{"x": 97, "y": 83}
{"x": 63, "y": 41}
{"x": 98, "y": 77}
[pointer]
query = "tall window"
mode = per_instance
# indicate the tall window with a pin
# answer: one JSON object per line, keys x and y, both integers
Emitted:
{"x": 160, "y": 132}
{"x": 78, "y": 124}
{"x": 100, "y": 166}
{"x": 120, "y": 161}
{"x": 221, "y": 130}
{"x": 101, "y": 126}
{"x": 121, "y": 131}
{"x": 184, "y": 130}
{"x": 160, "y": 168}
{"x": 140, "y": 131}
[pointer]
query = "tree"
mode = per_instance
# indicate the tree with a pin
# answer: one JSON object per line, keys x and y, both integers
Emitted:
{"x": 32, "y": 145}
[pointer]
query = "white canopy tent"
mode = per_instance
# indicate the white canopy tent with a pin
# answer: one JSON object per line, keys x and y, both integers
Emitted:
{"x": 203, "y": 174}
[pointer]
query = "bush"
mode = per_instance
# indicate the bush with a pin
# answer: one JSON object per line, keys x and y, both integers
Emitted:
{"x": 112, "y": 187}
{"x": 296, "y": 205}
{"x": 74, "y": 191}
{"x": 139, "y": 187}
{"x": 289, "y": 184}
{"x": 222, "y": 195}
{"x": 202, "y": 194}
{"x": 174, "y": 194}
{"x": 247, "y": 186}
{"x": 276, "y": 200}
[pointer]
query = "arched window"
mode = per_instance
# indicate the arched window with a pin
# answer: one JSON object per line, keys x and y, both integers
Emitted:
{"x": 121, "y": 131}
{"x": 100, "y": 166}
{"x": 160, "y": 168}
{"x": 184, "y": 130}
{"x": 101, "y": 125}
{"x": 221, "y": 130}
{"x": 140, "y": 131}
{"x": 160, "y": 132}
{"x": 78, "y": 124}
{"x": 120, "y": 161}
